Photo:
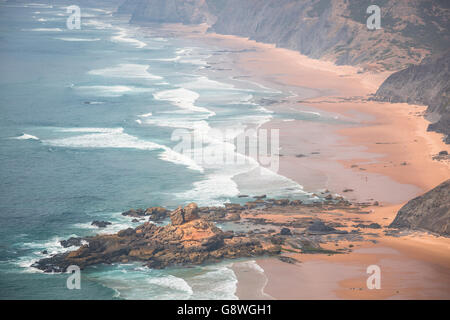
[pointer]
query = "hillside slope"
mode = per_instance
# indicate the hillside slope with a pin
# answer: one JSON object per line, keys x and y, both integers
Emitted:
{"x": 428, "y": 84}
{"x": 326, "y": 29}
{"x": 336, "y": 30}
{"x": 430, "y": 211}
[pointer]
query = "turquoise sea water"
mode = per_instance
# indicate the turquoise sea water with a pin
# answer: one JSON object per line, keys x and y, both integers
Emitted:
{"x": 85, "y": 134}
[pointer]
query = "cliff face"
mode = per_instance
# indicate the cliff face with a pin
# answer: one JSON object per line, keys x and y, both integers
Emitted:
{"x": 327, "y": 29}
{"x": 427, "y": 83}
{"x": 167, "y": 11}
{"x": 430, "y": 211}
{"x": 336, "y": 30}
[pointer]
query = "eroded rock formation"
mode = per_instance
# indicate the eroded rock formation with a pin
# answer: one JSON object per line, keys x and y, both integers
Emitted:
{"x": 430, "y": 211}
{"x": 188, "y": 240}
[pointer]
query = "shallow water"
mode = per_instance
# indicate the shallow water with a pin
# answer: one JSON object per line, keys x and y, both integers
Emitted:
{"x": 86, "y": 133}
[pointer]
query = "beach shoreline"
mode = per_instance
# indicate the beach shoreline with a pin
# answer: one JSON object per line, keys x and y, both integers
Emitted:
{"x": 373, "y": 155}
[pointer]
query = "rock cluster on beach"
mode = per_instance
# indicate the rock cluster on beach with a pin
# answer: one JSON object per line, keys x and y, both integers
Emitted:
{"x": 430, "y": 211}
{"x": 188, "y": 240}
{"x": 191, "y": 236}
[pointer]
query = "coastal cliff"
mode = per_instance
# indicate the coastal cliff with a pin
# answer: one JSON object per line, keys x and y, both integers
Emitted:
{"x": 428, "y": 84}
{"x": 430, "y": 211}
{"x": 325, "y": 29}
{"x": 167, "y": 11}
{"x": 411, "y": 32}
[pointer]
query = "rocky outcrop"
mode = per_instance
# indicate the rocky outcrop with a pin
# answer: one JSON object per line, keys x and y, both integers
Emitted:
{"x": 430, "y": 211}
{"x": 100, "y": 224}
{"x": 154, "y": 213}
{"x": 188, "y": 240}
{"x": 426, "y": 84}
{"x": 73, "y": 241}
{"x": 319, "y": 227}
{"x": 182, "y": 215}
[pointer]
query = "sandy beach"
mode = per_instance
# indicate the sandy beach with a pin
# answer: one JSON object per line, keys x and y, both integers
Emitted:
{"x": 380, "y": 151}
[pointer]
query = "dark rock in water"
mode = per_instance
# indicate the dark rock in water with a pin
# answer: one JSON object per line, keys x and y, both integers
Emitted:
{"x": 368, "y": 226}
{"x": 100, "y": 224}
{"x": 191, "y": 243}
{"x": 319, "y": 227}
{"x": 260, "y": 197}
{"x": 296, "y": 202}
{"x": 329, "y": 197}
{"x": 131, "y": 213}
{"x": 156, "y": 213}
{"x": 285, "y": 232}
{"x": 134, "y": 213}
{"x": 135, "y": 220}
{"x": 44, "y": 252}
{"x": 243, "y": 196}
{"x": 443, "y": 153}
{"x": 430, "y": 211}
{"x": 75, "y": 242}
{"x": 288, "y": 259}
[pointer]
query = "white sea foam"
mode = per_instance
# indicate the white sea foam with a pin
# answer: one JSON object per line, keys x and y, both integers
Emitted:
{"x": 310, "y": 112}
{"x": 166, "y": 59}
{"x": 171, "y": 282}
{"x": 218, "y": 282}
{"x": 123, "y": 37}
{"x": 126, "y": 70}
{"x": 112, "y": 91}
{"x": 192, "y": 55}
{"x": 52, "y": 246}
{"x": 252, "y": 265}
{"x": 203, "y": 82}
{"x": 79, "y": 39}
{"x": 97, "y": 24}
{"x": 146, "y": 115}
{"x": 131, "y": 281}
{"x": 26, "y": 136}
{"x": 117, "y": 138}
{"x": 39, "y": 5}
{"x": 44, "y": 29}
{"x": 182, "y": 98}
{"x": 101, "y": 10}
{"x": 191, "y": 123}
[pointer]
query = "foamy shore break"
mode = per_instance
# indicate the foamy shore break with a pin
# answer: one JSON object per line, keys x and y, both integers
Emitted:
{"x": 395, "y": 143}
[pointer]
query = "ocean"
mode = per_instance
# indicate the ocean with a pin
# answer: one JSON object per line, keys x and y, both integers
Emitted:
{"x": 87, "y": 131}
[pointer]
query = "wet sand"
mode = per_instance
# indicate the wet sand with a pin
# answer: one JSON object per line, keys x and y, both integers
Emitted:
{"x": 381, "y": 151}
